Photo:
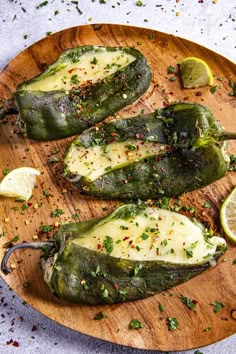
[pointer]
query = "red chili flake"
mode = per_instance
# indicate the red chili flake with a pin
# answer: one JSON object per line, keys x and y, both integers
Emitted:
{"x": 15, "y": 344}
{"x": 198, "y": 93}
{"x": 125, "y": 238}
{"x": 201, "y": 1}
{"x": 116, "y": 286}
{"x": 99, "y": 246}
{"x": 9, "y": 342}
{"x": 113, "y": 134}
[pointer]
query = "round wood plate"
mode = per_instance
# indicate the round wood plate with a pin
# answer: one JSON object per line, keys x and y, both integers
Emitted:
{"x": 196, "y": 328}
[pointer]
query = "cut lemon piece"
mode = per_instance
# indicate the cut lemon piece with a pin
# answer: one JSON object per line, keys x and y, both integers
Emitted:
{"x": 19, "y": 183}
{"x": 195, "y": 72}
{"x": 228, "y": 216}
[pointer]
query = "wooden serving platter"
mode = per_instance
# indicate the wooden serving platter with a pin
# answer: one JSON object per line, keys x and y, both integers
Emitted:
{"x": 196, "y": 328}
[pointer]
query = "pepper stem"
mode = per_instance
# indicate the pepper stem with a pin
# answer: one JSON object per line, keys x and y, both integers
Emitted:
{"x": 227, "y": 136}
{"x": 36, "y": 246}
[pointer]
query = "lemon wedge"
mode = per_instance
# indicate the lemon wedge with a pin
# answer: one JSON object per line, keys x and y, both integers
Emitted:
{"x": 228, "y": 216}
{"x": 195, "y": 72}
{"x": 19, "y": 183}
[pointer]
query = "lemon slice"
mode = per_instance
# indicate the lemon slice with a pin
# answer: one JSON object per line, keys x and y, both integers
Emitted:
{"x": 19, "y": 183}
{"x": 195, "y": 72}
{"x": 228, "y": 216}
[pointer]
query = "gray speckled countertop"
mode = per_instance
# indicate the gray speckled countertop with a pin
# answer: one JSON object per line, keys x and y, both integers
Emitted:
{"x": 210, "y": 23}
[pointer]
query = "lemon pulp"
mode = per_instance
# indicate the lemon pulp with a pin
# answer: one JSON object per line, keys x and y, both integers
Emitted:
{"x": 195, "y": 72}
{"x": 228, "y": 216}
{"x": 19, "y": 183}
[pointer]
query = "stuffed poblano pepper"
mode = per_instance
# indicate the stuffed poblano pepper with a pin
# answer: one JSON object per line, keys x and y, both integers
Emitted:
{"x": 133, "y": 253}
{"x": 84, "y": 86}
{"x": 168, "y": 152}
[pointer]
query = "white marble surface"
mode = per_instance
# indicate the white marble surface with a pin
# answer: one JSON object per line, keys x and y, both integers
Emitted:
{"x": 208, "y": 22}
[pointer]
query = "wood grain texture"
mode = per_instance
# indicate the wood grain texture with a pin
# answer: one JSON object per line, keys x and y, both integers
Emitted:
{"x": 216, "y": 284}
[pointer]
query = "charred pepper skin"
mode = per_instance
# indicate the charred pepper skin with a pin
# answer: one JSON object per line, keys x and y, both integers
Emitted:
{"x": 81, "y": 275}
{"x": 73, "y": 281}
{"x": 50, "y": 115}
{"x": 194, "y": 156}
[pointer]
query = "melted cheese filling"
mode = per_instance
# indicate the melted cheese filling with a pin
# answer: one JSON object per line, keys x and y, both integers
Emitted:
{"x": 154, "y": 234}
{"x": 91, "y": 67}
{"x": 97, "y": 160}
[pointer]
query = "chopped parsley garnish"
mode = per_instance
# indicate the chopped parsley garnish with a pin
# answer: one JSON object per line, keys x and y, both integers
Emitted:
{"x": 47, "y": 193}
{"x": 94, "y": 61}
{"x": 144, "y": 236}
{"x": 131, "y": 147}
{"x": 56, "y": 212}
{"x": 108, "y": 244}
{"x": 104, "y": 291}
{"x": 46, "y": 228}
{"x": 207, "y": 204}
{"x": 136, "y": 270}
{"x": 213, "y": 89}
{"x": 189, "y": 250}
{"x": 207, "y": 329}
{"x": 53, "y": 160}
{"x": 188, "y": 302}
{"x": 74, "y": 79}
{"x": 104, "y": 208}
{"x": 6, "y": 171}
{"x": 223, "y": 249}
{"x": 161, "y": 307}
{"x": 122, "y": 227}
{"x": 170, "y": 69}
{"x": 23, "y": 208}
{"x": 135, "y": 324}
{"x": 172, "y": 323}
{"x": 151, "y": 36}
{"x": 8, "y": 243}
{"x": 232, "y": 85}
{"x": 218, "y": 306}
{"x": 164, "y": 243}
{"x": 106, "y": 149}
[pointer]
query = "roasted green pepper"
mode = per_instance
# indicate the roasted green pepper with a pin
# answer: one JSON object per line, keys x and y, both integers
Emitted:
{"x": 168, "y": 152}
{"x": 133, "y": 253}
{"x": 84, "y": 86}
